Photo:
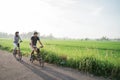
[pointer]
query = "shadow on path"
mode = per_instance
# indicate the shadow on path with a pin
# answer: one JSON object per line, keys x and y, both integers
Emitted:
{"x": 41, "y": 72}
{"x": 56, "y": 73}
{"x": 37, "y": 71}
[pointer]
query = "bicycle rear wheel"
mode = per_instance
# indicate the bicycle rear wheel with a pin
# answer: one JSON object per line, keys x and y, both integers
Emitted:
{"x": 32, "y": 58}
{"x": 20, "y": 56}
{"x": 41, "y": 61}
{"x": 14, "y": 53}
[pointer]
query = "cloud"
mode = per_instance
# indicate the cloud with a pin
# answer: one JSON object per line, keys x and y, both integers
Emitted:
{"x": 97, "y": 11}
{"x": 71, "y": 18}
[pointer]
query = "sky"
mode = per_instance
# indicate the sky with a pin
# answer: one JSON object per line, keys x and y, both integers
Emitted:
{"x": 62, "y": 18}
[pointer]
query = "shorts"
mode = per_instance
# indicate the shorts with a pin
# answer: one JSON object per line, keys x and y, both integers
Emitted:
{"x": 33, "y": 46}
{"x": 15, "y": 45}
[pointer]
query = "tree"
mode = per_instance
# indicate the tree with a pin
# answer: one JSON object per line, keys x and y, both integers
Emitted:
{"x": 104, "y": 38}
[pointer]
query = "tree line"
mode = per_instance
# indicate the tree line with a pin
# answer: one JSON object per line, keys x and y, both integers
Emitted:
{"x": 25, "y": 35}
{"x": 50, "y": 36}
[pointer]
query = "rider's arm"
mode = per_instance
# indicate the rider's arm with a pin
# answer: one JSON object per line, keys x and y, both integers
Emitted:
{"x": 20, "y": 38}
{"x": 40, "y": 43}
{"x": 31, "y": 43}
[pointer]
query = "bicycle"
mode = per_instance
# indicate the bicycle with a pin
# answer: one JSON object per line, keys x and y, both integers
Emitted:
{"x": 16, "y": 53}
{"x": 36, "y": 55}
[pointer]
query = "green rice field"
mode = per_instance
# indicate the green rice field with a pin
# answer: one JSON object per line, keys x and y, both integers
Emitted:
{"x": 101, "y": 58}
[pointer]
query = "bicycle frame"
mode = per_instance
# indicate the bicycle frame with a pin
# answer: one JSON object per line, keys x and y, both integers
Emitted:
{"x": 17, "y": 52}
{"x": 37, "y": 56}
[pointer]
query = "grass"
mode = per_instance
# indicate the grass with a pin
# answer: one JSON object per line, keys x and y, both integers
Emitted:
{"x": 100, "y": 58}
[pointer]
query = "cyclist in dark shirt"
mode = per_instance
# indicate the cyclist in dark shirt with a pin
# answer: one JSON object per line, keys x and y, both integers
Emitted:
{"x": 34, "y": 40}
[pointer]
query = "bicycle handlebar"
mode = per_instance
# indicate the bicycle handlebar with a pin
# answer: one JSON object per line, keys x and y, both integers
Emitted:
{"x": 41, "y": 46}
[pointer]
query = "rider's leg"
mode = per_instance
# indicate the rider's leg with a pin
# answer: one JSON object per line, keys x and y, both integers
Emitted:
{"x": 19, "y": 53}
{"x": 32, "y": 53}
{"x": 15, "y": 52}
{"x": 15, "y": 48}
{"x": 38, "y": 52}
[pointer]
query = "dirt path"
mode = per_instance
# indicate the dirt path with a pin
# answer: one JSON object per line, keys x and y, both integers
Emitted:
{"x": 11, "y": 69}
